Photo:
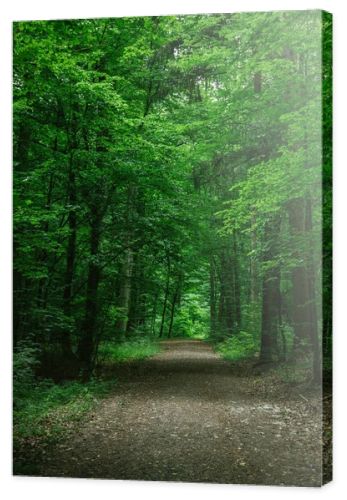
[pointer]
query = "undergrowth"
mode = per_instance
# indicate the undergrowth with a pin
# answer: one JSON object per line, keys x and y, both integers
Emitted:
{"x": 237, "y": 347}
{"x": 111, "y": 352}
{"x": 44, "y": 411}
{"x": 290, "y": 371}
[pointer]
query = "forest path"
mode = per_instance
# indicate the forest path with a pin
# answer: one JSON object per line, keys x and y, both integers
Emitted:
{"x": 188, "y": 415}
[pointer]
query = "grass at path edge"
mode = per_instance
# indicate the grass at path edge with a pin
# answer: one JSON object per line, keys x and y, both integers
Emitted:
{"x": 44, "y": 411}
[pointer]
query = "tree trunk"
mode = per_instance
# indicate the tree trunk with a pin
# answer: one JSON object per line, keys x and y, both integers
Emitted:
{"x": 299, "y": 310}
{"x": 87, "y": 342}
{"x": 70, "y": 259}
{"x": 173, "y": 305}
{"x": 227, "y": 309}
{"x": 127, "y": 269}
{"x": 213, "y": 298}
{"x": 304, "y": 313}
{"x": 154, "y": 313}
{"x": 313, "y": 323}
{"x": 124, "y": 293}
{"x": 166, "y": 296}
{"x": 137, "y": 307}
{"x": 221, "y": 301}
{"x": 237, "y": 287}
{"x": 271, "y": 295}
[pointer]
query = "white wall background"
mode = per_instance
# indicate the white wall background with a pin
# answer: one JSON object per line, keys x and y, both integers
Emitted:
{"x": 54, "y": 489}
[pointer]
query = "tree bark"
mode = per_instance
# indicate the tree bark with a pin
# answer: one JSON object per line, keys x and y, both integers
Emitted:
{"x": 227, "y": 311}
{"x": 237, "y": 287}
{"x": 166, "y": 296}
{"x": 313, "y": 323}
{"x": 154, "y": 313}
{"x": 87, "y": 342}
{"x": 221, "y": 301}
{"x": 299, "y": 310}
{"x": 173, "y": 305}
{"x": 70, "y": 258}
{"x": 124, "y": 293}
{"x": 213, "y": 298}
{"x": 271, "y": 295}
{"x": 127, "y": 269}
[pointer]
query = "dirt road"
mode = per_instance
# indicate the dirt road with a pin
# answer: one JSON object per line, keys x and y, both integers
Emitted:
{"x": 187, "y": 415}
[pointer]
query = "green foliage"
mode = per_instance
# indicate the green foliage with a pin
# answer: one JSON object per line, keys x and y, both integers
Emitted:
{"x": 45, "y": 410}
{"x": 186, "y": 327}
{"x": 238, "y": 347}
{"x": 110, "y": 352}
{"x": 25, "y": 361}
{"x": 167, "y": 182}
{"x": 192, "y": 319}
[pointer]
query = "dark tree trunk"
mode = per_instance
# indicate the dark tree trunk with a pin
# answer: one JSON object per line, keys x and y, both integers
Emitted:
{"x": 70, "y": 259}
{"x": 166, "y": 296}
{"x": 127, "y": 269}
{"x": 213, "y": 298}
{"x": 228, "y": 275}
{"x": 304, "y": 313}
{"x": 21, "y": 284}
{"x": 173, "y": 305}
{"x": 299, "y": 309}
{"x": 42, "y": 288}
{"x": 253, "y": 270}
{"x": 154, "y": 313}
{"x": 227, "y": 296}
{"x": 18, "y": 301}
{"x": 237, "y": 287}
{"x": 221, "y": 328}
{"x": 271, "y": 295}
{"x": 313, "y": 323}
{"x": 88, "y": 337}
{"x": 133, "y": 308}
{"x": 124, "y": 293}
{"x": 137, "y": 307}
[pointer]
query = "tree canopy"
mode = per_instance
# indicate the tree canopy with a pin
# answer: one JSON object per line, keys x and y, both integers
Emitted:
{"x": 168, "y": 176}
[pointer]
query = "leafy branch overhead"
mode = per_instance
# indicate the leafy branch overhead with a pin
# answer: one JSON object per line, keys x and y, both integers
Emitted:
{"x": 168, "y": 182}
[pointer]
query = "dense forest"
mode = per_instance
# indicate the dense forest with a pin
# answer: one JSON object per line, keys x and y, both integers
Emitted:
{"x": 168, "y": 183}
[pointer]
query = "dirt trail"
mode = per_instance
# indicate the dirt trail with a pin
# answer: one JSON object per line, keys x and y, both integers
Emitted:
{"x": 187, "y": 415}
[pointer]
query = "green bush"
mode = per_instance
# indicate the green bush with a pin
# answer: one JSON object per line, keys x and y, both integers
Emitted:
{"x": 25, "y": 362}
{"x": 45, "y": 409}
{"x": 110, "y": 352}
{"x": 239, "y": 346}
{"x": 192, "y": 320}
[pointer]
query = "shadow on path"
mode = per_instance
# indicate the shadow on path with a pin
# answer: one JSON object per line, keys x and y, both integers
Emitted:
{"x": 187, "y": 415}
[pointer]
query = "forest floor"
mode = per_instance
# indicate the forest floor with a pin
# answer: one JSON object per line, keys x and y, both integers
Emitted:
{"x": 187, "y": 415}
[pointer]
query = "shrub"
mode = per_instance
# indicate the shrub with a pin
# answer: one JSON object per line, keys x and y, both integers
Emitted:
{"x": 239, "y": 346}
{"x": 25, "y": 363}
{"x": 138, "y": 348}
{"x": 46, "y": 408}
